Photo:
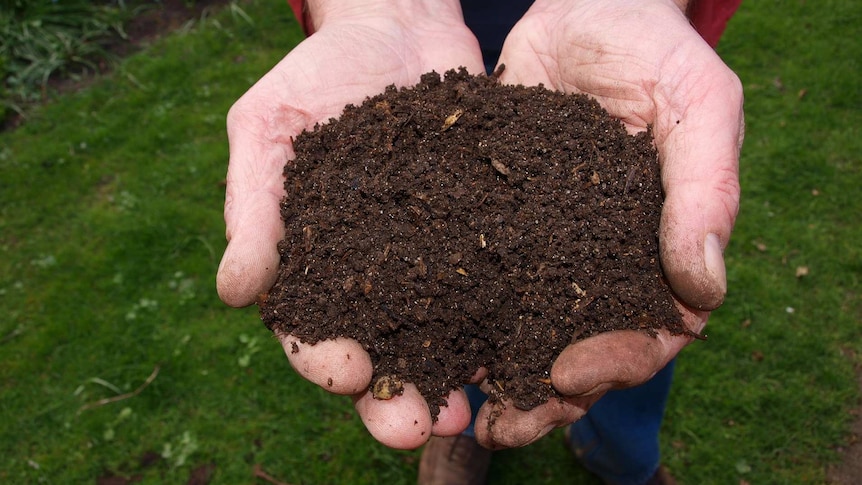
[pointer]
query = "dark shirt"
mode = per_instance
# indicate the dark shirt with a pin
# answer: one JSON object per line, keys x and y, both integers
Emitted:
{"x": 491, "y": 21}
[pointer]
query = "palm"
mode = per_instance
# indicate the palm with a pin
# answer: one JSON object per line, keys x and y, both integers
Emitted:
{"x": 343, "y": 64}
{"x": 334, "y": 67}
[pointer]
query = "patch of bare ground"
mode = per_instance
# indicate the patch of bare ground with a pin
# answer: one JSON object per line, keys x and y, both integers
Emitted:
{"x": 849, "y": 470}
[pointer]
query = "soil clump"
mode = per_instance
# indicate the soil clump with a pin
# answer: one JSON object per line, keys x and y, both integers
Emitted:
{"x": 461, "y": 223}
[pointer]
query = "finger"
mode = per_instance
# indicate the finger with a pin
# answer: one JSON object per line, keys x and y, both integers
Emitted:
{"x": 249, "y": 265}
{"x": 479, "y": 376}
{"x": 403, "y": 422}
{"x": 454, "y": 417}
{"x": 500, "y": 425}
{"x": 252, "y": 216}
{"x": 699, "y": 138}
{"x": 340, "y": 366}
{"x": 628, "y": 358}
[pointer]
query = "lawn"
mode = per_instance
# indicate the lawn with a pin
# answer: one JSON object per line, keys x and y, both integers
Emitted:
{"x": 118, "y": 359}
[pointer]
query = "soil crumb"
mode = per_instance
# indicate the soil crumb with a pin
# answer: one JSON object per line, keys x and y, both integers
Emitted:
{"x": 461, "y": 223}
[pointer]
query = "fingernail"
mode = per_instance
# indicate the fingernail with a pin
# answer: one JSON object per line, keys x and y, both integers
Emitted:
{"x": 714, "y": 260}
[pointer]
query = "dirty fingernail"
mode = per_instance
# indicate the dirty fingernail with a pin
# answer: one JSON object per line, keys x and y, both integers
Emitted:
{"x": 714, "y": 261}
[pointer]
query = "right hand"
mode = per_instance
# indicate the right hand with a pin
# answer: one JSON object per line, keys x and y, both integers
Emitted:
{"x": 356, "y": 52}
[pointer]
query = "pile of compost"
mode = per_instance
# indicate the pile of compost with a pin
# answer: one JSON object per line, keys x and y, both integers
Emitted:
{"x": 461, "y": 223}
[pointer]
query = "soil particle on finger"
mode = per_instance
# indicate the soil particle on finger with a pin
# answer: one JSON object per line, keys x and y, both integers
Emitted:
{"x": 461, "y": 223}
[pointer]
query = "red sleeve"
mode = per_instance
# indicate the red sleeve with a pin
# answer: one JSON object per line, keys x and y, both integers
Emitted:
{"x": 710, "y": 17}
{"x": 301, "y": 14}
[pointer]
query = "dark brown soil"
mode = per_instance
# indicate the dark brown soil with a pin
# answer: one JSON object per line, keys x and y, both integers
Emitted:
{"x": 462, "y": 223}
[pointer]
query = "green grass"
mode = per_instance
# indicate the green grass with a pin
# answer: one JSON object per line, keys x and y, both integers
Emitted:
{"x": 767, "y": 398}
{"x": 111, "y": 230}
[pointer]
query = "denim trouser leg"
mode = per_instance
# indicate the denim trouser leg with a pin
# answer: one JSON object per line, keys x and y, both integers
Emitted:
{"x": 618, "y": 438}
{"x": 477, "y": 398}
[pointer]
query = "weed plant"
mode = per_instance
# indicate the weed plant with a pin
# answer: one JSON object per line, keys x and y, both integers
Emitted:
{"x": 44, "y": 39}
{"x": 118, "y": 360}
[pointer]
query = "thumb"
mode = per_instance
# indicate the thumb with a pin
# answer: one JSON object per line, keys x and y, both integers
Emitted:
{"x": 252, "y": 216}
{"x": 700, "y": 157}
{"x": 248, "y": 266}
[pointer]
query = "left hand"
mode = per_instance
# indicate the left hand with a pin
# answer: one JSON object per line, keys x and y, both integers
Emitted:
{"x": 647, "y": 66}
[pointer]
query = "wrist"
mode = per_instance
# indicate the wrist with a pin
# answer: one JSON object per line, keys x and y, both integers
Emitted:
{"x": 681, "y": 6}
{"x": 324, "y": 12}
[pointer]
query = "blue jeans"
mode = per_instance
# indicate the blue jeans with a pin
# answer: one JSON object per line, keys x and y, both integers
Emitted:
{"x": 490, "y": 21}
{"x": 618, "y": 438}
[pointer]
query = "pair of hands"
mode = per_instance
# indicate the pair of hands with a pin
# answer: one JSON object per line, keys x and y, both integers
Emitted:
{"x": 639, "y": 58}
